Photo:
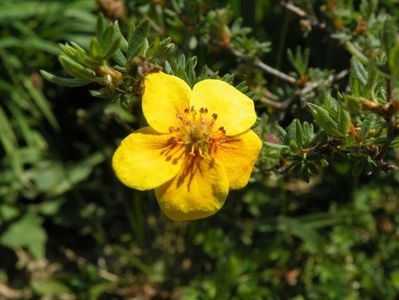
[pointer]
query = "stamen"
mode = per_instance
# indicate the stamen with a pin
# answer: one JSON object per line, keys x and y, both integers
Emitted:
{"x": 222, "y": 130}
{"x": 196, "y": 132}
{"x": 182, "y": 118}
{"x": 200, "y": 152}
{"x": 203, "y": 110}
{"x": 178, "y": 140}
{"x": 192, "y": 152}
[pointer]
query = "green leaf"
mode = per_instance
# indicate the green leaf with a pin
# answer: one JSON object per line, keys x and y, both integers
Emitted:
{"x": 30, "y": 43}
{"x": 291, "y": 136}
{"x": 308, "y": 132}
{"x": 137, "y": 39}
{"x": 9, "y": 142}
{"x": 323, "y": 118}
{"x": 293, "y": 227}
{"x": 51, "y": 206}
{"x": 69, "y": 82}
{"x": 283, "y": 134}
{"x": 395, "y": 143}
{"x": 168, "y": 68}
{"x": 190, "y": 70}
{"x": 367, "y": 8}
{"x": 123, "y": 42}
{"x": 26, "y": 231}
{"x": 276, "y": 146}
{"x": 159, "y": 48}
{"x": 109, "y": 42}
{"x": 360, "y": 71}
{"x": 344, "y": 120}
{"x": 76, "y": 70}
{"x": 95, "y": 48}
{"x": 101, "y": 25}
{"x": 22, "y": 123}
{"x": 50, "y": 287}
{"x": 8, "y": 212}
{"x": 300, "y": 60}
{"x": 75, "y": 174}
{"x": 6, "y": 131}
{"x": 114, "y": 46}
{"x": 298, "y": 133}
{"x": 41, "y": 102}
{"x": 96, "y": 290}
{"x": 119, "y": 58}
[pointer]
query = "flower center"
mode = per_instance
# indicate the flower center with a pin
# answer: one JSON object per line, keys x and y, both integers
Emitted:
{"x": 196, "y": 131}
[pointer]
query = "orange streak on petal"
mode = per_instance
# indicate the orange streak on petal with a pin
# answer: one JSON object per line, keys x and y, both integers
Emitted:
{"x": 198, "y": 191}
{"x": 238, "y": 155}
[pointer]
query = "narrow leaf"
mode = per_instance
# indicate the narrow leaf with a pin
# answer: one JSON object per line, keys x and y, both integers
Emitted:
{"x": 69, "y": 82}
{"x": 41, "y": 102}
{"x": 75, "y": 69}
{"x": 360, "y": 71}
{"x": 137, "y": 39}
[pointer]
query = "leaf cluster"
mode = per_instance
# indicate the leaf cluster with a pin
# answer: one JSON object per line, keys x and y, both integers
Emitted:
{"x": 317, "y": 220}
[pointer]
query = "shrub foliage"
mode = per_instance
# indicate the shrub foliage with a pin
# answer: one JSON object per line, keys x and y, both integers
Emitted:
{"x": 317, "y": 221}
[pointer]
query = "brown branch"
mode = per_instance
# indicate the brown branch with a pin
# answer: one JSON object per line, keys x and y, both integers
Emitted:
{"x": 301, "y": 13}
{"x": 272, "y": 71}
{"x": 310, "y": 87}
{"x": 296, "y": 10}
{"x": 266, "y": 68}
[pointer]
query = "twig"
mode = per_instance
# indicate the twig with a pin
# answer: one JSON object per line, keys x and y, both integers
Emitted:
{"x": 261, "y": 65}
{"x": 301, "y": 13}
{"x": 304, "y": 93}
{"x": 316, "y": 84}
{"x": 81, "y": 263}
{"x": 296, "y": 10}
{"x": 273, "y": 103}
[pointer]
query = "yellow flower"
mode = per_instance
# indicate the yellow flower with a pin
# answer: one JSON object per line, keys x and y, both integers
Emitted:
{"x": 198, "y": 146}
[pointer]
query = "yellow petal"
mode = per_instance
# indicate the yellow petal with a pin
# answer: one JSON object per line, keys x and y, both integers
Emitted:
{"x": 238, "y": 156}
{"x": 164, "y": 96}
{"x": 198, "y": 191}
{"x": 146, "y": 159}
{"x": 235, "y": 111}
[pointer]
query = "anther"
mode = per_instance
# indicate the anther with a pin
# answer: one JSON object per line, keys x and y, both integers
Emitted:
{"x": 178, "y": 140}
{"x": 203, "y": 110}
{"x": 222, "y": 130}
{"x": 214, "y": 116}
{"x": 174, "y": 129}
{"x": 186, "y": 111}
